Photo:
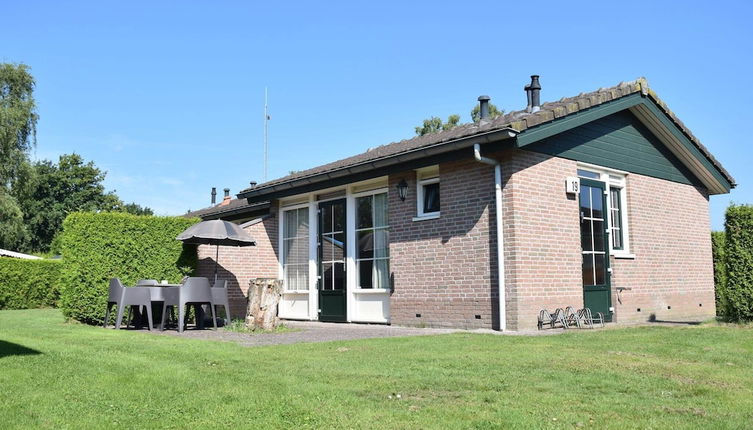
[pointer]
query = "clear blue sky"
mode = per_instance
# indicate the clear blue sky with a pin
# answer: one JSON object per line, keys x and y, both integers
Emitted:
{"x": 168, "y": 96}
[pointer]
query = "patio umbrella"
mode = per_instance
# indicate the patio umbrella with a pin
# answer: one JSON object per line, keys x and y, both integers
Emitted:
{"x": 216, "y": 232}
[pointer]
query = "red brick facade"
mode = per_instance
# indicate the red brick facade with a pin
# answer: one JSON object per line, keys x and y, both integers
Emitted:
{"x": 444, "y": 270}
{"x": 239, "y": 265}
{"x": 671, "y": 277}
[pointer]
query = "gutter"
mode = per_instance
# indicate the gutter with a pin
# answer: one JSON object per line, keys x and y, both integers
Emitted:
{"x": 500, "y": 233}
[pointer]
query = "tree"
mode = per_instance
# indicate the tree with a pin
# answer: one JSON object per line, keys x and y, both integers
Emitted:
{"x": 493, "y": 112}
{"x": 13, "y": 233}
{"x": 18, "y": 120}
{"x": 134, "y": 209}
{"x": 435, "y": 124}
{"x": 55, "y": 190}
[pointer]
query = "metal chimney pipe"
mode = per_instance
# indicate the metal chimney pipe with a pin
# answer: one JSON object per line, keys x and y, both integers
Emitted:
{"x": 535, "y": 88}
{"x": 227, "y": 192}
{"x": 483, "y": 107}
{"x": 214, "y": 195}
{"x": 527, "y": 89}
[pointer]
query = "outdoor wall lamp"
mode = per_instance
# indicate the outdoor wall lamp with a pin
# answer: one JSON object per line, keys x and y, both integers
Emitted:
{"x": 402, "y": 189}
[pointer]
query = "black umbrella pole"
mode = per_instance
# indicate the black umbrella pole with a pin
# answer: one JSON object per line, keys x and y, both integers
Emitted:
{"x": 216, "y": 259}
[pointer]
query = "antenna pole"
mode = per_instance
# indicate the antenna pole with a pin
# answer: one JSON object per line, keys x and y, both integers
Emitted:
{"x": 266, "y": 133}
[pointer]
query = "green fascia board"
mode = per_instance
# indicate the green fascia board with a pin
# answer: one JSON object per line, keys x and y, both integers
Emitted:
{"x": 676, "y": 132}
{"x": 537, "y": 133}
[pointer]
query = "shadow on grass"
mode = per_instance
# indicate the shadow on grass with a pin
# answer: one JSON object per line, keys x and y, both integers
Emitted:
{"x": 652, "y": 319}
{"x": 8, "y": 349}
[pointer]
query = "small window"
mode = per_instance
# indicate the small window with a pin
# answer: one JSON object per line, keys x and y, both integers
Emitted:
{"x": 615, "y": 217}
{"x": 428, "y": 197}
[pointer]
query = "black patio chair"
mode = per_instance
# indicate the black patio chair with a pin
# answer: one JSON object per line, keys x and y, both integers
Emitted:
{"x": 121, "y": 297}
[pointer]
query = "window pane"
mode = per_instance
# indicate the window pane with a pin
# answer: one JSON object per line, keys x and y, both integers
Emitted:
{"x": 585, "y": 201}
{"x": 588, "y": 269}
{"x": 381, "y": 243}
{"x": 338, "y": 217}
{"x": 431, "y": 198}
{"x": 365, "y": 244}
{"x": 303, "y": 222}
{"x": 290, "y": 223}
{"x": 339, "y": 246}
{"x": 365, "y": 268}
{"x": 327, "y": 276}
{"x": 596, "y": 203}
{"x": 326, "y": 218}
{"x": 303, "y": 277}
{"x": 380, "y": 210}
{"x": 616, "y": 238}
{"x": 339, "y": 281}
{"x": 364, "y": 216}
{"x": 587, "y": 174}
{"x": 585, "y": 236}
{"x": 598, "y": 233}
{"x": 382, "y": 275}
{"x": 601, "y": 270}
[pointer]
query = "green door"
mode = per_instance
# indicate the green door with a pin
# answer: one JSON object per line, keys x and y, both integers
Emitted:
{"x": 331, "y": 244}
{"x": 594, "y": 239}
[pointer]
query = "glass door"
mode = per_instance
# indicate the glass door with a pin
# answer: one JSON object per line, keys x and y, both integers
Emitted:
{"x": 594, "y": 239}
{"x": 331, "y": 245}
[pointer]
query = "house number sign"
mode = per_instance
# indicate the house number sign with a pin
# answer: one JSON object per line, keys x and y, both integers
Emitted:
{"x": 572, "y": 185}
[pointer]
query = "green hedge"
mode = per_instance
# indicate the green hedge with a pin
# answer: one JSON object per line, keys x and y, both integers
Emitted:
{"x": 739, "y": 263}
{"x": 26, "y": 284}
{"x": 100, "y": 246}
{"x": 720, "y": 271}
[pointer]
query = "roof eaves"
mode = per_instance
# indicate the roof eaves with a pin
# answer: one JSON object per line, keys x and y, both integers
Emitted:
{"x": 315, "y": 177}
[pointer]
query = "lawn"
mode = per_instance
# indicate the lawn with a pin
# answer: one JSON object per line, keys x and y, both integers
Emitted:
{"x": 55, "y": 374}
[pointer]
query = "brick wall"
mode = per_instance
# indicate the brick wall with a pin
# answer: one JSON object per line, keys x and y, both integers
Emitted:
{"x": 542, "y": 237}
{"x": 669, "y": 228}
{"x": 671, "y": 277}
{"x": 239, "y": 265}
{"x": 442, "y": 267}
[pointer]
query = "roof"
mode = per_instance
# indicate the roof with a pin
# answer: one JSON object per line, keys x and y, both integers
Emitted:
{"x": 6, "y": 253}
{"x": 235, "y": 206}
{"x": 516, "y": 122}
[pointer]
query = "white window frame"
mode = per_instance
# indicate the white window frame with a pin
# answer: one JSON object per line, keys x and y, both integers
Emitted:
{"x": 283, "y": 262}
{"x": 614, "y": 179}
{"x": 427, "y": 176}
{"x": 356, "y": 284}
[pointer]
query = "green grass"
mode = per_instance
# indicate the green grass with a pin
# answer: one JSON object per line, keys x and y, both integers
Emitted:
{"x": 59, "y": 375}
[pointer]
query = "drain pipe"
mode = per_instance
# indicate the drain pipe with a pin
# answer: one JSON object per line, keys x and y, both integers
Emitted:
{"x": 500, "y": 234}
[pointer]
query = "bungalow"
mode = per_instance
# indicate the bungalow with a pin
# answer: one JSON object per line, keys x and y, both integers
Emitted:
{"x": 598, "y": 200}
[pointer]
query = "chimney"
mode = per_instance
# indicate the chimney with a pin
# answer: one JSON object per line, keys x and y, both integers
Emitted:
{"x": 252, "y": 184}
{"x": 483, "y": 108}
{"x": 214, "y": 195}
{"x": 226, "y": 199}
{"x": 535, "y": 93}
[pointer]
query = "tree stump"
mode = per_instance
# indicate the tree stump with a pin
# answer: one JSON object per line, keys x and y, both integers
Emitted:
{"x": 263, "y": 299}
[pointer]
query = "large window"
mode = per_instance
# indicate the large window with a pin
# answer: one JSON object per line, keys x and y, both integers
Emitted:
{"x": 295, "y": 242}
{"x": 372, "y": 233}
{"x": 616, "y": 207}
